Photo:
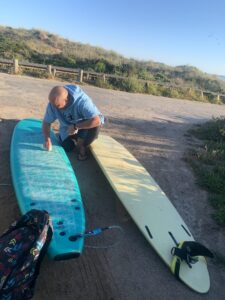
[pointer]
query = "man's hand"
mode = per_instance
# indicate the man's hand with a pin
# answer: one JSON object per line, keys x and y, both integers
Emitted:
{"x": 72, "y": 129}
{"x": 48, "y": 144}
{"x": 46, "y": 132}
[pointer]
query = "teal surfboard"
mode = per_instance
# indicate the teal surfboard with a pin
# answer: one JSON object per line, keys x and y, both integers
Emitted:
{"x": 46, "y": 180}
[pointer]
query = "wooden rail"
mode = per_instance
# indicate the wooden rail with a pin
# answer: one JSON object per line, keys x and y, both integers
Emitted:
{"x": 82, "y": 75}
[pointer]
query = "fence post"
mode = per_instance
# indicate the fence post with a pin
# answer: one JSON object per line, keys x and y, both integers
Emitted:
{"x": 103, "y": 77}
{"x": 81, "y": 72}
{"x": 202, "y": 95}
{"x": 218, "y": 98}
{"x": 54, "y": 72}
{"x": 49, "y": 68}
{"x": 146, "y": 87}
{"x": 15, "y": 66}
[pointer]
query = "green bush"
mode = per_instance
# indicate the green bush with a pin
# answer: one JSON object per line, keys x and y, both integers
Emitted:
{"x": 132, "y": 84}
{"x": 152, "y": 89}
{"x": 169, "y": 92}
{"x": 191, "y": 94}
{"x": 208, "y": 162}
{"x": 211, "y": 131}
{"x": 100, "y": 67}
{"x": 218, "y": 202}
{"x": 102, "y": 84}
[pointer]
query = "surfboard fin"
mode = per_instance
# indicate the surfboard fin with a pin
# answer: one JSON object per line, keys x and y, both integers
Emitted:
{"x": 187, "y": 251}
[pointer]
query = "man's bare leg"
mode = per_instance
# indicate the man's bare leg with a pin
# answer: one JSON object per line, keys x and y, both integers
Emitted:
{"x": 82, "y": 150}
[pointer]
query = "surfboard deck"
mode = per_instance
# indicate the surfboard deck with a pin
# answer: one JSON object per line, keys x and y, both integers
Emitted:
{"x": 149, "y": 207}
{"x": 45, "y": 180}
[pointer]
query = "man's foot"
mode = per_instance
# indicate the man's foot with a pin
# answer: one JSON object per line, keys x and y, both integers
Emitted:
{"x": 82, "y": 156}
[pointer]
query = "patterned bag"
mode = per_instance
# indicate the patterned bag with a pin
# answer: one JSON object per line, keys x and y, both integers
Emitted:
{"x": 22, "y": 248}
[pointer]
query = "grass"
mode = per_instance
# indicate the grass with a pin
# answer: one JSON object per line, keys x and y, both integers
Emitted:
{"x": 208, "y": 162}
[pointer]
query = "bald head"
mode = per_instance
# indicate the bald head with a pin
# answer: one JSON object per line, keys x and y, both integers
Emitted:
{"x": 58, "y": 96}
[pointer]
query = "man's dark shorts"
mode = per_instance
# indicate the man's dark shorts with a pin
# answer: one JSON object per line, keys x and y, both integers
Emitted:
{"x": 88, "y": 135}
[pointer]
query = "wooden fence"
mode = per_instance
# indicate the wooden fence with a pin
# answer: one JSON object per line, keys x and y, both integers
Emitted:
{"x": 80, "y": 75}
{"x": 14, "y": 67}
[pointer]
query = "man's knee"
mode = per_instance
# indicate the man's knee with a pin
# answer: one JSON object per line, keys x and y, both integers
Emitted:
{"x": 91, "y": 136}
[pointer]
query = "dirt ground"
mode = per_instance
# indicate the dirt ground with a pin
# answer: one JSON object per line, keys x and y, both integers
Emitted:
{"x": 154, "y": 129}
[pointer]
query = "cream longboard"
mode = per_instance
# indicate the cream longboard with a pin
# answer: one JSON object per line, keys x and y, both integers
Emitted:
{"x": 149, "y": 207}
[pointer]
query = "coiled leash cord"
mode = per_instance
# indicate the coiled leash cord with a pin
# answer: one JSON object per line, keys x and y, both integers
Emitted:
{"x": 98, "y": 231}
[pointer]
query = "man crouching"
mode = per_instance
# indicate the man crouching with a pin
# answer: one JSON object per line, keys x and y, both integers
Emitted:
{"x": 79, "y": 118}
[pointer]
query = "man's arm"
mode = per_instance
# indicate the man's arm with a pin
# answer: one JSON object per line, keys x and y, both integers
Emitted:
{"x": 87, "y": 124}
{"x": 46, "y": 132}
{"x": 91, "y": 123}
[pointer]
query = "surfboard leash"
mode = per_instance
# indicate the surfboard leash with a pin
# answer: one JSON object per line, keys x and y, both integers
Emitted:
{"x": 98, "y": 231}
{"x": 93, "y": 232}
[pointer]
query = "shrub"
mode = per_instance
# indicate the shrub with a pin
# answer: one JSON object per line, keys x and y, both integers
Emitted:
{"x": 208, "y": 162}
{"x": 102, "y": 84}
{"x": 152, "y": 89}
{"x": 132, "y": 84}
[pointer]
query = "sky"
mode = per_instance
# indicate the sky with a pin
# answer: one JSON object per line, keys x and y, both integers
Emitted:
{"x": 174, "y": 32}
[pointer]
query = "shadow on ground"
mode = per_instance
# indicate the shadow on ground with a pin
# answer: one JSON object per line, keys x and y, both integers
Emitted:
{"x": 131, "y": 269}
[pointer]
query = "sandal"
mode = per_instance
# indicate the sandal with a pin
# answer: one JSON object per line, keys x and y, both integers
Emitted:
{"x": 82, "y": 157}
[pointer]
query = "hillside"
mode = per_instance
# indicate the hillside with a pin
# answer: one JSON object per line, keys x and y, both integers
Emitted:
{"x": 43, "y": 47}
{"x": 222, "y": 77}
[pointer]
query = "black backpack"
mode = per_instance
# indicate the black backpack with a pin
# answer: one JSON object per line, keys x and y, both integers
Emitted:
{"x": 22, "y": 248}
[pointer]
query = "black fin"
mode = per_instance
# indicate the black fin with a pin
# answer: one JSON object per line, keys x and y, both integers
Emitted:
{"x": 197, "y": 249}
